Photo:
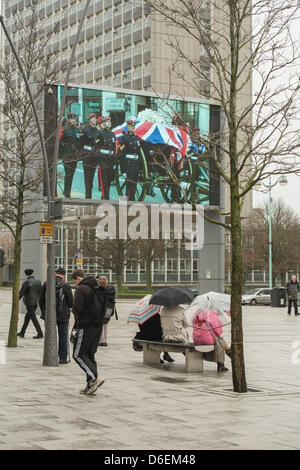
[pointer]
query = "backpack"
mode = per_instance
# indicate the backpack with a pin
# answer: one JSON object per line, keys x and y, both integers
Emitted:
{"x": 109, "y": 299}
{"x": 102, "y": 306}
{"x": 60, "y": 295}
{"x": 97, "y": 306}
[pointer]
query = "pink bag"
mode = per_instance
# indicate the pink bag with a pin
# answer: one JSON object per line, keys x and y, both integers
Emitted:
{"x": 206, "y": 326}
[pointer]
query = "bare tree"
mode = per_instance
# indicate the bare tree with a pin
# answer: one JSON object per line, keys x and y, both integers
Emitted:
{"x": 235, "y": 39}
{"x": 149, "y": 250}
{"x": 285, "y": 244}
{"x": 108, "y": 254}
{"x": 114, "y": 255}
{"x": 21, "y": 168}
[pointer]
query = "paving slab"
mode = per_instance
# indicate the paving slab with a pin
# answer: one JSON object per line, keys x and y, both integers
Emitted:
{"x": 154, "y": 407}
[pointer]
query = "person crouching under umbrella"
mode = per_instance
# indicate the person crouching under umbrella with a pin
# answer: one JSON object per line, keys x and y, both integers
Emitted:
{"x": 151, "y": 330}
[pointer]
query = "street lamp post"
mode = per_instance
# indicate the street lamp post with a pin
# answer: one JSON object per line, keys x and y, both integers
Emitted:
{"x": 282, "y": 180}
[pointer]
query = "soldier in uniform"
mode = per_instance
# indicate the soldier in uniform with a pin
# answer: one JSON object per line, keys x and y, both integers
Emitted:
{"x": 69, "y": 151}
{"x": 107, "y": 156}
{"x": 89, "y": 143}
{"x": 130, "y": 158}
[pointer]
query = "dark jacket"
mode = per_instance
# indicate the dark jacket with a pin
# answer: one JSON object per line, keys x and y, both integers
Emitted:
{"x": 89, "y": 143}
{"x": 150, "y": 330}
{"x": 292, "y": 289}
{"x": 107, "y": 152}
{"x": 69, "y": 144}
{"x": 30, "y": 290}
{"x": 82, "y": 301}
{"x": 64, "y": 314}
{"x": 131, "y": 153}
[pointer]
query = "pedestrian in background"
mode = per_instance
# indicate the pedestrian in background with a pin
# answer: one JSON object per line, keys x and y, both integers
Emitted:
{"x": 292, "y": 289}
{"x": 109, "y": 295}
{"x": 30, "y": 291}
{"x": 64, "y": 303}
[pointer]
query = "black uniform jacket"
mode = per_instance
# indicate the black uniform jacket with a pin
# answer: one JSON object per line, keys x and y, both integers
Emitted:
{"x": 30, "y": 290}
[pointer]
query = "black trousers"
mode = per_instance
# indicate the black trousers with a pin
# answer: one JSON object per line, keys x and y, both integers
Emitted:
{"x": 89, "y": 167}
{"x": 132, "y": 170}
{"x": 106, "y": 176}
{"x": 30, "y": 315}
{"x": 293, "y": 302}
{"x": 62, "y": 327}
{"x": 70, "y": 168}
{"x": 84, "y": 350}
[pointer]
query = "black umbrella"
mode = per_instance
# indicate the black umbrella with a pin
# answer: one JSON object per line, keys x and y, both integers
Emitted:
{"x": 171, "y": 296}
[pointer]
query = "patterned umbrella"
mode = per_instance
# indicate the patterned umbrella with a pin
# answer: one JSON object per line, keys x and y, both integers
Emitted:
{"x": 142, "y": 311}
{"x": 157, "y": 133}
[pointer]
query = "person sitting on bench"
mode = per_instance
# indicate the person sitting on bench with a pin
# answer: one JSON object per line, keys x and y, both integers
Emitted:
{"x": 174, "y": 324}
{"x": 151, "y": 331}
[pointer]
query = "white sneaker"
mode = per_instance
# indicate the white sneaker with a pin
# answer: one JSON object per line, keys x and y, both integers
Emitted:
{"x": 95, "y": 385}
{"x": 84, "y": 390}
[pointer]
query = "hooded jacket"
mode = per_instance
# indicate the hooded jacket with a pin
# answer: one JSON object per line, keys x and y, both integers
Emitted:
{"x": 82, "y": 301}
{"x": 64, "y": 314}
{"x": 206, "y": 327}
{"x": 174, "y": 324}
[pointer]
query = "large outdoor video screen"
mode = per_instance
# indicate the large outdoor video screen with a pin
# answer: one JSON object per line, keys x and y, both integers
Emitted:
{"x": 147, "y": 148}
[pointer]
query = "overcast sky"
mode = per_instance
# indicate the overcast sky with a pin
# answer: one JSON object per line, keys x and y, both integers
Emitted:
{"x": 290, "y": 193}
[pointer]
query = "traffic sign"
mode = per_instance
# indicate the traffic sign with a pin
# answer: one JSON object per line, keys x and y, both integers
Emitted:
{"x": 46, "y": 229}
{"x": 46, "y": 232}
{"x": 46, "y": 239}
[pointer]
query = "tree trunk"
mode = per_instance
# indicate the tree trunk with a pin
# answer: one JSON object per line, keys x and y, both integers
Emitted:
{"x": 13, "y": 327}
{"x": 148, "y": 273}
{"x": 238, "y": 365}
{"x": 119, "y": 275}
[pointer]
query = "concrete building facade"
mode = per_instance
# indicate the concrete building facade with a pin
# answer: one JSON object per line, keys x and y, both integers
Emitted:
{"x": 123, "y": 46}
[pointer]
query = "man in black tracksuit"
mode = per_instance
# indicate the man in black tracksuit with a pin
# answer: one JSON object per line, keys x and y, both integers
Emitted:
{"x": 88, "y": 334}
{"x": 292, "y": 289}
{"x": 64, "y": 302}
{"x": 30, "y": 290}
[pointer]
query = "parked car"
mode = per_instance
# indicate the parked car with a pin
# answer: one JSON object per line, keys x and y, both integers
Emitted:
{"x": 194, "y": 290}
{"x": 257, "y": 296}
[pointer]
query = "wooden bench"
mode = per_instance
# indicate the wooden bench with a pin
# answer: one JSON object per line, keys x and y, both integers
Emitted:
{"x": 193, "y": 354}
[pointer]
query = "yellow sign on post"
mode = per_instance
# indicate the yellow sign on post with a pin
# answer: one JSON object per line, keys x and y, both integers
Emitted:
{"x": 46, "y": 232}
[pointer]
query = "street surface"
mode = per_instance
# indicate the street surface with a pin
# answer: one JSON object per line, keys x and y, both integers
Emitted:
{"x": 153, "y": 408}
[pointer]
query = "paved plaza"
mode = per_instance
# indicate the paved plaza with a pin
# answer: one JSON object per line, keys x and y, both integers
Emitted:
{"x": 154, "y": 408}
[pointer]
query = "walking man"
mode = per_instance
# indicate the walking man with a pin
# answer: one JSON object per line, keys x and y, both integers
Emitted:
{"x": 88, "y": 331}
{"x": 292, "y": 289}
{"x": 64, "y": 302}
{"x": 30, "y": 290}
